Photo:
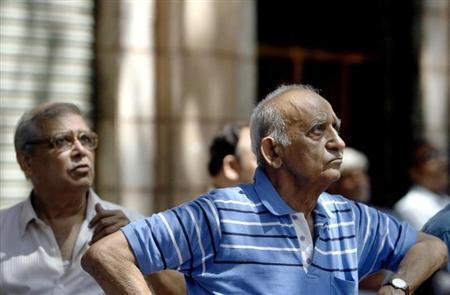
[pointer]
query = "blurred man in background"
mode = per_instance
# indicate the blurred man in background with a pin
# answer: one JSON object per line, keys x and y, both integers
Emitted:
{"x": 354, "y": 182}
{"x": 231, "y": 159}
{"x": 428, "y": 194}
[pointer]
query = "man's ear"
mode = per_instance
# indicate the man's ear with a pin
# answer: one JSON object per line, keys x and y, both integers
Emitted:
{"x": 270, "y": 151}
{"x": 25, "y": 161}
{"x": 230, "y": 167}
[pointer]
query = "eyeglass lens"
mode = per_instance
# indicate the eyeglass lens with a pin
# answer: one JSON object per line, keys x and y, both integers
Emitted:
{"x": 66, "y": 140}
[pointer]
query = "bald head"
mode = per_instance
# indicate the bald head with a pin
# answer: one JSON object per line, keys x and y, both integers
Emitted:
{"x": 280, "y": 108}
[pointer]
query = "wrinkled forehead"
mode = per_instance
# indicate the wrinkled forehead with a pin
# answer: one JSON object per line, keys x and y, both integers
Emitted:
{"x": 62, "y": 123}
{"x": 304, "y": 107}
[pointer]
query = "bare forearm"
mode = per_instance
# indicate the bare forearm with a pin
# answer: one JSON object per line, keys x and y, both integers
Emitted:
{"x": 422, "y": 260}
{"x": 118, "y": 279}
{"x": 112, "y": 265}
{"x": 168, "y": 282}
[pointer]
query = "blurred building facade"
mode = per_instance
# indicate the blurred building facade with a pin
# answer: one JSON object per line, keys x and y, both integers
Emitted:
{"x": 159, "y": 78}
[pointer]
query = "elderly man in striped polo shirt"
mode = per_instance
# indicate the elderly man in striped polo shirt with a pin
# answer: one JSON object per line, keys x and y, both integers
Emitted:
{"x": 280, "y": 235}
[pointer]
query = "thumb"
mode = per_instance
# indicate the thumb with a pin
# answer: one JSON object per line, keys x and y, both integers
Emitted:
{"x": 99, "y": 208}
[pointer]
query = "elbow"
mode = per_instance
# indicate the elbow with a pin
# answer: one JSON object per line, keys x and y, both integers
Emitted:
{"x": 439, "y": 249}
{"x": 93, "y": 258}
{"x": 445, "y": 251}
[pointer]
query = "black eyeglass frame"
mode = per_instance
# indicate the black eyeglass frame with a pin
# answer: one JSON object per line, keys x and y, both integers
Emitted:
{"x": 52, "y": 140}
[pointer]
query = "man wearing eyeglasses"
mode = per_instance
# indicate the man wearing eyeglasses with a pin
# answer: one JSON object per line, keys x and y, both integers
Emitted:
{"x": 43, "y": 238}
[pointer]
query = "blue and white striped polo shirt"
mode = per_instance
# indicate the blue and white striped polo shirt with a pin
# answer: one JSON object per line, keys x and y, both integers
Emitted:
{"x": 242, "y": 240}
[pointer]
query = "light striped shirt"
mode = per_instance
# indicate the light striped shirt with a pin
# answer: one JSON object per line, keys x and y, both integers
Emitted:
{"x": 242, "y": 240}
{"x": 30, "y": 259}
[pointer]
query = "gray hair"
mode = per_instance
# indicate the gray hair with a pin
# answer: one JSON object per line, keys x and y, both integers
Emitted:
{"x": 30, "y": 125}
{"x": 268, "y": 120}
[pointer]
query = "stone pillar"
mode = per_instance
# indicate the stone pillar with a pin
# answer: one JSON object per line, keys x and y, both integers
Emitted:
{"x": 206, "y": 73}
{"x": 434, "y": 72}
{"x": 170, "y": 74}
{"x": 126, "y": 111}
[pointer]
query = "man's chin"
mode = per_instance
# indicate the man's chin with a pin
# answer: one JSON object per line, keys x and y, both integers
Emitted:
{"x": 333, "y": 175}
{"x": 82, "y": 182}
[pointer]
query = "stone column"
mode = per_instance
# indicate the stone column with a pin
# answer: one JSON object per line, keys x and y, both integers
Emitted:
{"x": 434, "y": 72}
{"x": 126, "y": 102}
{"x": 170, "y": 74}
{"x": 206, "y": 72}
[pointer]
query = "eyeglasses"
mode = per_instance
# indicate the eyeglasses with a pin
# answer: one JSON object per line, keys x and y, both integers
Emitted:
{"x": 65, "y": 140}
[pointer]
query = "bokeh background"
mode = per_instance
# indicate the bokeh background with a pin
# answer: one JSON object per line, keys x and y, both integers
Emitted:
{"x": 157, "y": 79}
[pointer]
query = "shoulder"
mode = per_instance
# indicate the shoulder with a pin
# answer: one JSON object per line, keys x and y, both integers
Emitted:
{"x": 232, "y": 195}
{"x": 12, "y": 212}
{"x": 439, "y": 223}
{"x": 11, "y": 222}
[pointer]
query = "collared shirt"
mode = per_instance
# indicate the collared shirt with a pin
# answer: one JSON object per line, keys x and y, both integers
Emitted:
{"x": 30, "y": 259}
{"x": 439, "y": 226}
{"x": 243, "y": 240}
{"x": 419, "y": 205}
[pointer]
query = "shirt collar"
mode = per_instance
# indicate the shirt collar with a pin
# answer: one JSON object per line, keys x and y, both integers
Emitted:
{"x": 321, "y": 209}
{"x": 269, "y": 196}
{"x": 274, "y": 202}
{"x": 92, "y": 200}
{"x": 28, "y": 214}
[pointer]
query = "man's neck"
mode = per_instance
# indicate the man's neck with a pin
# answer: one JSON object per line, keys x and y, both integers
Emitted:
{"x": 301, "y": 198}
{"x": 64, "y": 212}
{"x": 58, "y": 205}
{"x": 220, "y": 181}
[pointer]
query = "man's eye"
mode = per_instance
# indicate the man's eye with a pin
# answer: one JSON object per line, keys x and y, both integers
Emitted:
{"x": 318, "y": 129}
{"x": 61, "y": 141}
{"x": 85, "y": 139}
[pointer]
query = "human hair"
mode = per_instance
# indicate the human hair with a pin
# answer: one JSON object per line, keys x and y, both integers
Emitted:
{"x": 223, "y": 144}
{"x": 30, "y": 125}
{"x": 268, "y": 120}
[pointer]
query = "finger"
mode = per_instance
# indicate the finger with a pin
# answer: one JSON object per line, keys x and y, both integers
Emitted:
{"x": 116, "y": 217}
{"x": 107, "y": 226}
{"x": 104, "y": 222}
{"x": 102, "y": 213}
{"x": 99, "y": 208}
{"x": 104, "y": 232}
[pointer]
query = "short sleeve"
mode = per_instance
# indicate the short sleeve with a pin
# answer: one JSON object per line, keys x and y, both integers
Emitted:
{"x": 183, "y": 238}
{"x": 439, "y": 226}
{"x": 382, "y": 240}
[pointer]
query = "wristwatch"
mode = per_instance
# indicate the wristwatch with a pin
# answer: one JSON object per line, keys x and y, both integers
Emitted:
{"x": 399, "y": 283}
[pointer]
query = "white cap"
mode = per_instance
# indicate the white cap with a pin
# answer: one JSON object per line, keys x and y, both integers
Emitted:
{"x": 354, "y": 159}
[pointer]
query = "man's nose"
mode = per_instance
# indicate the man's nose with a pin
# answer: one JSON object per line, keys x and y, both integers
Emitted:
{"x": 336, "y": 142}
{"x": 78, "y": 147}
